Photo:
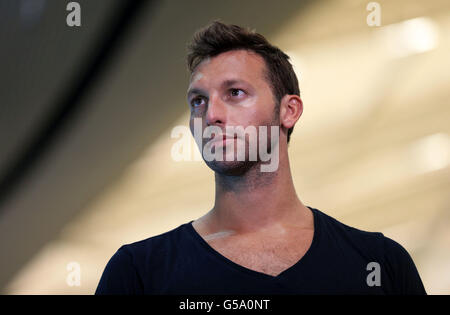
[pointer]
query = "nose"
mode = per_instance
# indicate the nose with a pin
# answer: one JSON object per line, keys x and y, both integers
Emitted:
{"x": 216, "y": 111}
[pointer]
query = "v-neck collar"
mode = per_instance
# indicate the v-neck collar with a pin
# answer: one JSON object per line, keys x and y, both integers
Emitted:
{"x": 252, "y": 272}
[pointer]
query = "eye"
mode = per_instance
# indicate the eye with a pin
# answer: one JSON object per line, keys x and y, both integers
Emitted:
{"x": 236, "y": 92}
{"x": 197, "y": 101}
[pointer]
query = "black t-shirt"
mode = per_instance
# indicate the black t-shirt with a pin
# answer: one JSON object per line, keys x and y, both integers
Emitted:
{"x": 340, "y": 260}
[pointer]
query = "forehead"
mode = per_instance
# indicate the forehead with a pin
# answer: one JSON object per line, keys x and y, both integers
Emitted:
{"x": 237, "y": 64}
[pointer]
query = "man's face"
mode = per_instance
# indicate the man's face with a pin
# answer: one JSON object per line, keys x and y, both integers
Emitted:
{"x": 231, "y": 90}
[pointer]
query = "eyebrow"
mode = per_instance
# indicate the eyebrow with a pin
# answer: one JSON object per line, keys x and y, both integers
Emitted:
{"x": 231, "y": 82}
{"x": 225, "y": 84}
{"x": 195, "y": 91}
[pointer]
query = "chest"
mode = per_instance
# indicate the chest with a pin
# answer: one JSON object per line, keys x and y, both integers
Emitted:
{"x": 265, "y": 255}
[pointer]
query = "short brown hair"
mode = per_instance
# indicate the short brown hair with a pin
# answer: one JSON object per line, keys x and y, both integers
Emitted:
{"x": 217, "y": 38}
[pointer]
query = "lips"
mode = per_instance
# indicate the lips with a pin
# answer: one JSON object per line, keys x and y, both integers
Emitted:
{"x": 223, "y": 140}
{"x": 224, "y": 137}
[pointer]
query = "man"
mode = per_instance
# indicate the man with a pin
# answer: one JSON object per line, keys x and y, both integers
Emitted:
{"x": 259, "y": 238}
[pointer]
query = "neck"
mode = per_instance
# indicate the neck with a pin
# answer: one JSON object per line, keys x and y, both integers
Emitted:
{"x": 256, "y": 201}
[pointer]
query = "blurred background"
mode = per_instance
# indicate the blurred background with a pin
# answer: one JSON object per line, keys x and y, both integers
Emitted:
{"x": 86, "y": 115}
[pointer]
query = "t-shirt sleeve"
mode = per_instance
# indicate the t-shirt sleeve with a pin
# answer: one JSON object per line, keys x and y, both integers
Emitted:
{"x": 403, "y": 272}
{"x": 120, "y": 275}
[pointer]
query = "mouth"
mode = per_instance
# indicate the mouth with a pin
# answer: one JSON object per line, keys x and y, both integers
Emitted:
{"x": 222, "y": 140}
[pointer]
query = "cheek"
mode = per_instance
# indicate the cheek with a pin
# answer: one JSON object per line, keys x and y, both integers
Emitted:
{"x": 193, "y": 124}
{"x": 197, "y": 126}
{"x": 257, "y": 111}
{"x": 261, "y": 116}
{"x": 253, "y": 118}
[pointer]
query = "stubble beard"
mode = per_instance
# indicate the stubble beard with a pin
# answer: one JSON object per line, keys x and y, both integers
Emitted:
{"x": 240, "y": 168}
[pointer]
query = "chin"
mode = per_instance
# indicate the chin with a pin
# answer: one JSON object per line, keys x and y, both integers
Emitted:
{"x": 231, "y": 168}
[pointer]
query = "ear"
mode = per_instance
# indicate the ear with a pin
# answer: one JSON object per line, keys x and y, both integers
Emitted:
{"x": 291, "y": 108}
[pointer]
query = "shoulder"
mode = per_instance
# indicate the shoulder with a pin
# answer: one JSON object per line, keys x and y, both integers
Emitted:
{"x": 156, "y": 246}
{"x": 338, "y": 231}
{"x": 374, "y": 241}
{"x": 130, "y": 263}
{"x": 368, "y": 245}
{"x": 393, "y": 258}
